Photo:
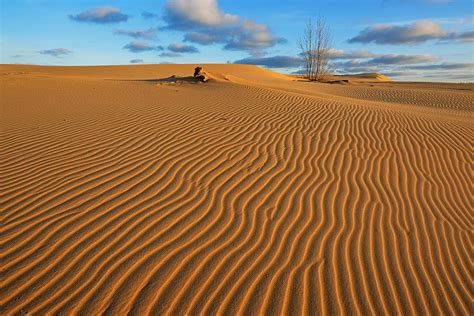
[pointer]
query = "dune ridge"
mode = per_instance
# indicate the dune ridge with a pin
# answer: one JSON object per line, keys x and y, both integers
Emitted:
{"x": 255, "y": 194}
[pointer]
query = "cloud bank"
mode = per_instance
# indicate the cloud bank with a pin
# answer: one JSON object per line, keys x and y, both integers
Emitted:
{"x": 413, "y": 33}
{"x": 359, "y": 58}
{"x": 392, "y": 65}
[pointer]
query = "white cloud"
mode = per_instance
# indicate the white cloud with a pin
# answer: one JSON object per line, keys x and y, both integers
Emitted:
{"x": 183, "y": 14}
{"x": 101, "y": 15}
{"x": 393, "y": 59}
{"x": 56, "y": 52}
{"x": 252, "y": 36}
{"x": 146, "y": 34}
{"x": 139, "y": 46}
{"x": 341, "y": 54}
{"x": 170, "y": 54}
{"x": 417, "y": 32}
{"x": 182, "y": 48}
{"x": 412, "y": 33}
{"x": 205, "y": 24}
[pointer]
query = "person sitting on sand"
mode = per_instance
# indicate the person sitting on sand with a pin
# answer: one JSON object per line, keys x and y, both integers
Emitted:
{"x": 199, "y": 74}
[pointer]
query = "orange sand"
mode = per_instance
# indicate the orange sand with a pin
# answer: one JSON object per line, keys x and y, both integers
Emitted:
{"x": 255, "y": 193}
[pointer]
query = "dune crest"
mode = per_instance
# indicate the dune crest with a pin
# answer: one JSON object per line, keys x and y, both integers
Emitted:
{"x": 254, "y": 193}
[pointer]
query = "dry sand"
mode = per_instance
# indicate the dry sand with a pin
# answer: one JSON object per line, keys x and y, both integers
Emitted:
{"x": 253, "y": 193}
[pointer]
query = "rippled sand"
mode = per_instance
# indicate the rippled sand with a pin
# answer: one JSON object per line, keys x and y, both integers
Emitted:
{"x": 255, "y": 193}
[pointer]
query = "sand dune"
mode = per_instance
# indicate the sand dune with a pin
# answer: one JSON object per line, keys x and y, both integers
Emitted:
{"x": 254, "y": 193}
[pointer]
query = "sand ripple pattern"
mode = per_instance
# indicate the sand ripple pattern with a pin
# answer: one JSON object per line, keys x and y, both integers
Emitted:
{"x": 243, "y": 200}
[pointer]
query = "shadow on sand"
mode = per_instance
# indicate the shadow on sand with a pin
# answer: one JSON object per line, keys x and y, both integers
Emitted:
{"x": 172, "y": 80}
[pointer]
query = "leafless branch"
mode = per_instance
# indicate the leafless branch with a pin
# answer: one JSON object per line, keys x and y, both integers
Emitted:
{"x": 314, "y": 45}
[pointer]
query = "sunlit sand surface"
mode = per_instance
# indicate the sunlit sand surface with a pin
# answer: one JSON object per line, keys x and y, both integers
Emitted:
{"x": 126, "y": 191}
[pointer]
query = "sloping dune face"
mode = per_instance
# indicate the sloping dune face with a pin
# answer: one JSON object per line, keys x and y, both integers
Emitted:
{"x": 250, "y": 194}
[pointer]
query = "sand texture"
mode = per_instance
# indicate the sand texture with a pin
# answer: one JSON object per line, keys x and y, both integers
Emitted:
{"x": 123, "y": 190}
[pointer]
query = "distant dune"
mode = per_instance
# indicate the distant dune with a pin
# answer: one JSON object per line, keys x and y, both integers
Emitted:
{"x": 135, "y": 189}
{"x": 354, "y": 78}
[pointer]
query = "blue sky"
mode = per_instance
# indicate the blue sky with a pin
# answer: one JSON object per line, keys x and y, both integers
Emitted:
{"x": 427, "y": 40}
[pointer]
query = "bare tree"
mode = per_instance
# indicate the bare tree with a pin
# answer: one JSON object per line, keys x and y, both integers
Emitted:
{"x": 307, "y": 44}
{"x": 315, "y": 46}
